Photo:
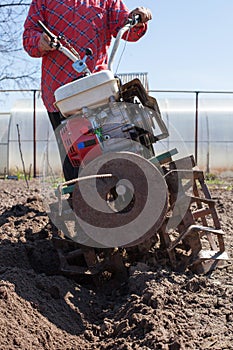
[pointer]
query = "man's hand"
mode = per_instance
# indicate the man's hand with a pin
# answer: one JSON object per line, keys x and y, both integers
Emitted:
{"x": 144, "y": 13}
{"x": 44, "y": 43}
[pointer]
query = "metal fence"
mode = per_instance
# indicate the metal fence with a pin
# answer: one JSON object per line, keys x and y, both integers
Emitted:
{"x": 199, "y": 122}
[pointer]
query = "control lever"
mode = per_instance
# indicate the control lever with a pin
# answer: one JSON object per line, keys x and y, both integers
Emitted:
{"x": 55, "y": 40}
{"x": 80, "y": 65}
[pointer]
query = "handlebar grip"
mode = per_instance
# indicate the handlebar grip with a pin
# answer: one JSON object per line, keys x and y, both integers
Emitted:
{"x": 135, "y": 20}
{"x": 47, "y": 31}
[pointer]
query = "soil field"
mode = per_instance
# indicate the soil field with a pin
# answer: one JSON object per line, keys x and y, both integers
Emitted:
{"x": 155, "y": 309}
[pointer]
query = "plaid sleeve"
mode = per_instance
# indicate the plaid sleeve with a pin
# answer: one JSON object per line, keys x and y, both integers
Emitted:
{"x": 118, "y": 14}
{"x": 32, "y": 31}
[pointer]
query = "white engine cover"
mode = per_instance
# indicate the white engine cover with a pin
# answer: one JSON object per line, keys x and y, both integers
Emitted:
{"x": 91, "y": 91}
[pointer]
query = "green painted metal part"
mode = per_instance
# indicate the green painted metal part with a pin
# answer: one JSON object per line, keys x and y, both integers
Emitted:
{"x": 161, "y": 158}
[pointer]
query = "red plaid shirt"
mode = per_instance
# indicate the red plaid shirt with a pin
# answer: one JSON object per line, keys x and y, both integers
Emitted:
{"x": 84, "y": 23}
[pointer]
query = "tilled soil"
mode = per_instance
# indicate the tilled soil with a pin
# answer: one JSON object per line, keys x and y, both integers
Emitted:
{"x": 155, "y": 309}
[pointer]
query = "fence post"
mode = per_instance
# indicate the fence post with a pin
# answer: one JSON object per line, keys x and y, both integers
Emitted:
{"x": 196, "y": 127}
{"x": 34, "y": 133}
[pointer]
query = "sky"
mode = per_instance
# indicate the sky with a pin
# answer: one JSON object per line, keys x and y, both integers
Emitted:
{"x": 188, "y": 45}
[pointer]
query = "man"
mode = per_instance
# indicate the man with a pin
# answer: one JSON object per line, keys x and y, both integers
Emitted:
{"x": 84, "y": 24}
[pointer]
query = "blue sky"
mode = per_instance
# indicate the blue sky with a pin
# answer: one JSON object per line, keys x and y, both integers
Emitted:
{"x": 188, "y": 45}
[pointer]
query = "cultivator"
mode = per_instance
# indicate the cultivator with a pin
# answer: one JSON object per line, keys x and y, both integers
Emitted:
{"x": 128, "y": 203}
{"x": 172, "y": 195}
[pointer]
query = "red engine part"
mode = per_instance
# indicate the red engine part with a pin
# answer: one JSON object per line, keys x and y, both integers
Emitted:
{"x": 79, "y": 139}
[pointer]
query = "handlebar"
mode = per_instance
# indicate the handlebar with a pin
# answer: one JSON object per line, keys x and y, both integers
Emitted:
{"x": 130, "y": 24}
{"x": 80, "y": 65}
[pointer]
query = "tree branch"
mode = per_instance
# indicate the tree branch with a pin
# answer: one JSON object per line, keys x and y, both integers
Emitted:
{"x": 23, "y": 76}
{"x": 16, "y": 4}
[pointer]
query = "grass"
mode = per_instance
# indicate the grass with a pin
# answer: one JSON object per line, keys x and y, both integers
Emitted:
{"x": 213, "y": 179}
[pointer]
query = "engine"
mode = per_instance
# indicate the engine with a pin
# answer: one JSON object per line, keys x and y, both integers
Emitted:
{"x": 122, "y": 121}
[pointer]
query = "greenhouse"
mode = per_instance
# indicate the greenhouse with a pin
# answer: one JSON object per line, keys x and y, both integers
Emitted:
{"x": 27, "y": 140}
